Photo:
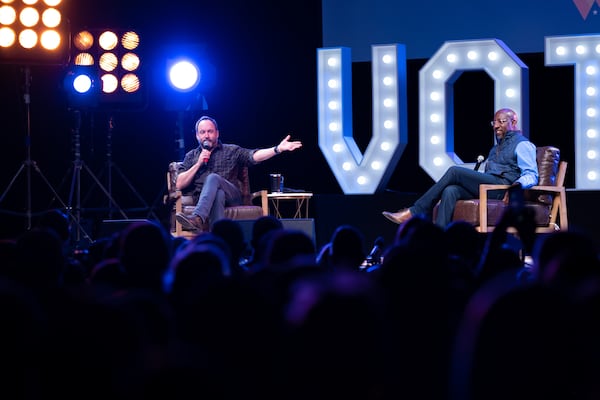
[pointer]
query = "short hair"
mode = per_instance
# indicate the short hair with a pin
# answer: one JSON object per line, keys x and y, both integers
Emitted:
{"x": 206, "y": 118}
{"x": 510, "y": 113}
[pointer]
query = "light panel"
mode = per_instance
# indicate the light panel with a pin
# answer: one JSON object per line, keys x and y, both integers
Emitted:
{"x": 33, "y": 33}
{"x": 436, "y": 86}
{"x": 115, "y": 54}
{"x": 359, "y": 173}
{"x": 583, "y": 52}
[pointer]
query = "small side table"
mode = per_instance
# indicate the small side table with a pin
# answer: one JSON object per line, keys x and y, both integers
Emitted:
{"x": 301, "y": 199}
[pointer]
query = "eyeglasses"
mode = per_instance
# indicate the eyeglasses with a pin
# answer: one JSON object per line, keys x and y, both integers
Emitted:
{"x": 500, "y": 121}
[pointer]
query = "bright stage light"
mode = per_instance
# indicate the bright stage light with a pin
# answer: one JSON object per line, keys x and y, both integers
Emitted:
{"x": 82, "y": 83}
{"x": 82, "y": 86}
{"x": 115, "y": 56}
{"x": 33, "y": 32}
{"x": 184, "y": 75}
{"x": 187, "y": 77}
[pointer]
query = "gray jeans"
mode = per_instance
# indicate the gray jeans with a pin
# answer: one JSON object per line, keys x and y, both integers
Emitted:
{"x": 216, "y": 194}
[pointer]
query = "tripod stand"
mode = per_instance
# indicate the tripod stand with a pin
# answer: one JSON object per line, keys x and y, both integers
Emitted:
{"x": 75, "y": 190}
{"x": 29, "y": 164}
{"x": 110, "y": 166}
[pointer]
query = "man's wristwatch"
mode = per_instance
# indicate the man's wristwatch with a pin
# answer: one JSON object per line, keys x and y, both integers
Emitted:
{"x": 276, "y": 149}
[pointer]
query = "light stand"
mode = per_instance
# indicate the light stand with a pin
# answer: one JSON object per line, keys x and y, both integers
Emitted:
{"x": 28, "y": 163}
{"x": 75, "y": 191}
{"x": 111, "y": 165}
{"x": 180, "y": 141}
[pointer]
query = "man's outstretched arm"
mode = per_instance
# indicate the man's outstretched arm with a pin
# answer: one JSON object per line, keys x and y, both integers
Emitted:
{"x": 285, "y": 145}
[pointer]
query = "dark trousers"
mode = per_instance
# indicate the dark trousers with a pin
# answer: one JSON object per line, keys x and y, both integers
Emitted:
{"x": 457, "y": 183}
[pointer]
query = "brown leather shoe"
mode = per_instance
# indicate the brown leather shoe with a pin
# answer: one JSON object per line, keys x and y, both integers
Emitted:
{"x": 398, "y": 217}
{"x": 191, "y": 223}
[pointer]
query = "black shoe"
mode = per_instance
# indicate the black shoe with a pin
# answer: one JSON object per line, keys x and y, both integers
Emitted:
{"x": 191, "y": 223}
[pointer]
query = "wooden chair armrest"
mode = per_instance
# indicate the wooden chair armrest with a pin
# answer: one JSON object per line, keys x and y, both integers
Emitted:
{"x": 488, "y": 186}
{"x": 264, "y": 201}
{"x": 552, "y": 189}
{"x": 544, "y": 188}
{"x": 258, "y": 194}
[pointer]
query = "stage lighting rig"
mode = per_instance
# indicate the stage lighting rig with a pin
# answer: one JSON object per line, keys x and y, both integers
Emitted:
{"x": 105, "y": 75}
{"x": 33, "y": 32}
{"x": 111, "y": 59}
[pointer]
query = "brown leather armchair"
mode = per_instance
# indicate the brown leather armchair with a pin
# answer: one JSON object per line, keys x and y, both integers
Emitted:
{"x": 548, "y": 198}
{"x": 248, "y": 210}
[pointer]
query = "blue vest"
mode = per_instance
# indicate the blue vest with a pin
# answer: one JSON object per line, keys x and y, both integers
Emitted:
{"x": 502, "y": 160}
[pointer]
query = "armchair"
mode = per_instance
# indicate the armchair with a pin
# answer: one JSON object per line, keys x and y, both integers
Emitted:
{"x": 248, "y": 210}
{"x": 548, "y": 198}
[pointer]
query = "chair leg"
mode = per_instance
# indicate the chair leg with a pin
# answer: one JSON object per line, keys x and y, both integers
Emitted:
{"x": 178, "y": 209}
{"x": 483, "y": 220}
{"x": 564, "y": 222}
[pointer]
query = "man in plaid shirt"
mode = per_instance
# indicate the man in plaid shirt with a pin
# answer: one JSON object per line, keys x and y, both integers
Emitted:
{"x": 210, "y": 172}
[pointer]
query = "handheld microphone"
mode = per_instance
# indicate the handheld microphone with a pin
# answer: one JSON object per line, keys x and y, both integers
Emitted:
{"x": 374, "y": 256}
{"x": 480, "y": 159}
{"x": 206, "y": 146}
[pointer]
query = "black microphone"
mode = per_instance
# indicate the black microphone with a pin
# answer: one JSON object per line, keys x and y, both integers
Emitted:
{"x": 206, "y": 145}
{"x": 480, "y": 159}
{"x": 374, "y": 256}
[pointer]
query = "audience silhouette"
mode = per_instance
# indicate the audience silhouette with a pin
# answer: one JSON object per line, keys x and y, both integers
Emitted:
{"x": 447, "y": 314}
{"x": 345, "y": 250}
